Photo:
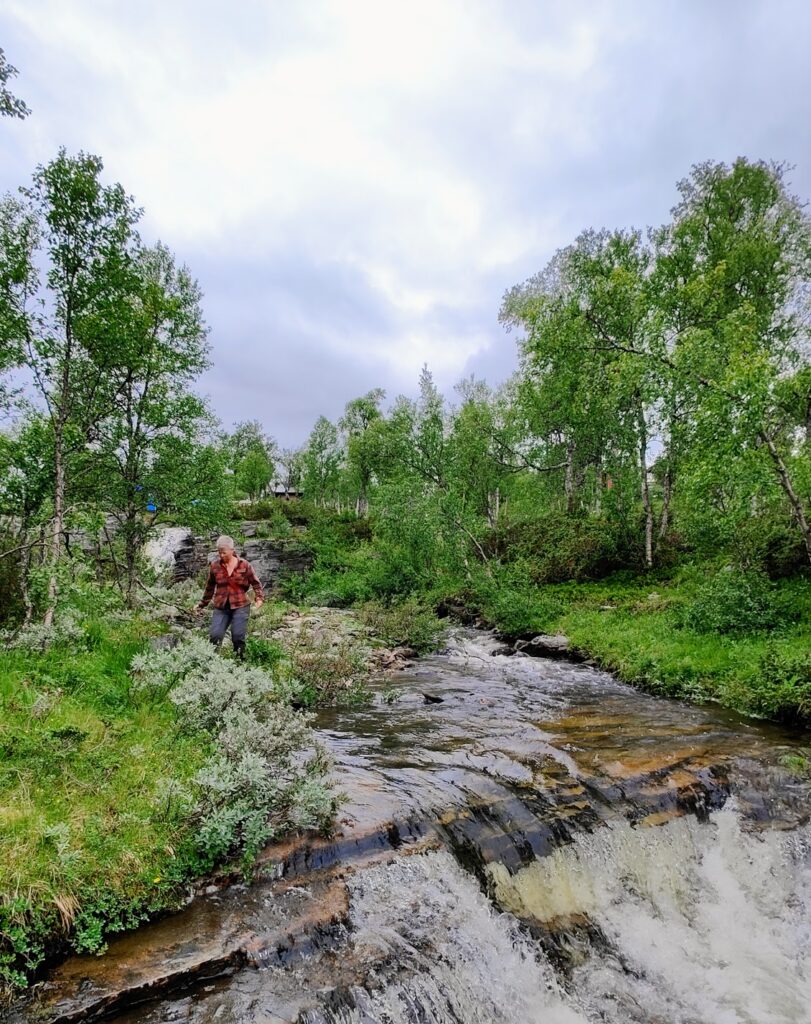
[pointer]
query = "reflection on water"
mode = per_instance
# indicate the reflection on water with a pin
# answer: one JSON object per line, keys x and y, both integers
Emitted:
{"x": 522, "y": 841}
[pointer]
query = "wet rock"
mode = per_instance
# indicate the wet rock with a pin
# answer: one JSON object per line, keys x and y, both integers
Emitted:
{"x": 391, "y": 660}
{"x": 206, "y": 940}
{"x": 545, "y": 646}
{"x": 458, "y": 612}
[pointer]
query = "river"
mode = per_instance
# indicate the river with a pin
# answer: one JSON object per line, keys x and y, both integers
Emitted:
{"x": 522, "y": 840}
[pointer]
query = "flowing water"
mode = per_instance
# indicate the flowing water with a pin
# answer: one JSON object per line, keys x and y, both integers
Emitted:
{"x": 522, "y": 841}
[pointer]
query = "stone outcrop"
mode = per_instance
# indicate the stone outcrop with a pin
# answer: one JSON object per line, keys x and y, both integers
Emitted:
{"x": 273, "y": 560}
{"x": 162, "y": 550}
{"x": 176, "y": 551}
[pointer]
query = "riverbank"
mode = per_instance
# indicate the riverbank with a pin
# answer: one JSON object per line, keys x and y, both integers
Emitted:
{"x": 697, "y": 629}
{"x": 119, "y": 780}
{"x": 92, "y": 836}
{"x": 656, "y": 632}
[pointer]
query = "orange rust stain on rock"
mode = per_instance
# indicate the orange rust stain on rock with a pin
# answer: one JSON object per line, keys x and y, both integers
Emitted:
{"x": 660, "y": 817}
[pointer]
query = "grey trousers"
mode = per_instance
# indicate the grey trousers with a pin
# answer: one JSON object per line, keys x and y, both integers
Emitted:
{"x": 237, "y": 619}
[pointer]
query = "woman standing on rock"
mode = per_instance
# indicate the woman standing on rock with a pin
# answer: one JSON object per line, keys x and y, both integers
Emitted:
{"x": 229, "y": 580}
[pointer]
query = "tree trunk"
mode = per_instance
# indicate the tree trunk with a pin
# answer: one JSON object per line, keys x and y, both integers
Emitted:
{"x": 493, "y": 507}
{"x": 568, "y": 481}
{"x": 643, "y": 467}
{"x": 114, "y": 561}
{"x": 130, "y": 554}
{"x": 794, "y": 500}
{"x": 667, "y": 494}
{"x": 808, "y": 425}
{"x": 25, "y": 568}
{"x": 58, "y": 522}
{"x": 597, "y": 504}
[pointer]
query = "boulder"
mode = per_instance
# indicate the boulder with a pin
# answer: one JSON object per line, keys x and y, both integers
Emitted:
{"x": 545, "y": 646}
{"x": 162, "y": 550}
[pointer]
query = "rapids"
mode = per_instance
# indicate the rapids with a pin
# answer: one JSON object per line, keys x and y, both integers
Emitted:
{"x": 521, "y": 841}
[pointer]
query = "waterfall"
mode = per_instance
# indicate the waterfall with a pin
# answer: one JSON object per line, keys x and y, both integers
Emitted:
{"x": 690, "y": 922}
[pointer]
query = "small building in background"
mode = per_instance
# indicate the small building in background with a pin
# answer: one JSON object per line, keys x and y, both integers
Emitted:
{"x": 277, "y": 489}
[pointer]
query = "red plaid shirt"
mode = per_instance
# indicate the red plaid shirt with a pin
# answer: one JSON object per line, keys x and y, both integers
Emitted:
{"x": 233, "y": 588}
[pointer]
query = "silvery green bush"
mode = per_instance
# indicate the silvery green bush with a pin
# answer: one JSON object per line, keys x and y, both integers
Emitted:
{"x": 65, "y": 631}
{"x": 208, "y": 693}
{"x": 160, "y": 670}
{"x": 164, "y": 601}
{"x": 264, "y": 775}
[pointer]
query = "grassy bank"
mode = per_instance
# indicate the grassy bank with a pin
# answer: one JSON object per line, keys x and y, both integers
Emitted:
{"x": 679, "y": 635}
{"x": 91, "y": 836}
{"x": 127, "y": 773}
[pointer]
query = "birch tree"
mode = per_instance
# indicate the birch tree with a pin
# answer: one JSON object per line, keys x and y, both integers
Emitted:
{"x": 66, "y": 273}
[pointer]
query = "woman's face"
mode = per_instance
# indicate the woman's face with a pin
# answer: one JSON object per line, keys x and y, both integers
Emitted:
{"x": 225, "y": 553}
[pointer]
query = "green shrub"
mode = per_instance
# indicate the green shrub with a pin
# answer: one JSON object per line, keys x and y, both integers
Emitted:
{"x": 320, "y": 672}
{"x": 516, "y": 612}
{"x": 780, "y": 688}
{"x": 508, "y": 601}
{"x": 735, "y": 601}
{"x": 343, "y": 577}
{"x": 406, "y": 623}
{"x": 294, "y": 511}
{"x": 558, "y": 546}
{"x": 24, "y": 940}
{"x": 329, "y": 588}
{"x": 264, "y": 509}
{"x": 264, "y": 653}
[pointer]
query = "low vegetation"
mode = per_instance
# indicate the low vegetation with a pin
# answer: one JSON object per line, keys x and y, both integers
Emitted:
{"x": 650, "y": 634}
{"x": 127, "y": 772}
{"x": 408, "y": 623}
{"x": 702, "y": 630}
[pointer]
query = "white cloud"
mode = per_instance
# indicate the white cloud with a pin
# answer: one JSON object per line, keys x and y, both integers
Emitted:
{"x": 431, "y": 153}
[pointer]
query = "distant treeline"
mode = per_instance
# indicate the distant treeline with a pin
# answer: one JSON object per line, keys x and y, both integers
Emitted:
{"x": 662, "y": 405}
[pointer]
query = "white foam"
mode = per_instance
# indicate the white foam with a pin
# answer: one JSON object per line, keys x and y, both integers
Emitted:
{"x": 459, "y": 960}
{"x": 710, "y": 923}
{"x": 705, "y": 924}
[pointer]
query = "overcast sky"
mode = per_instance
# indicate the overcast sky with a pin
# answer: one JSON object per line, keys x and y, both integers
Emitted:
{"x": 356, "y": 183}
